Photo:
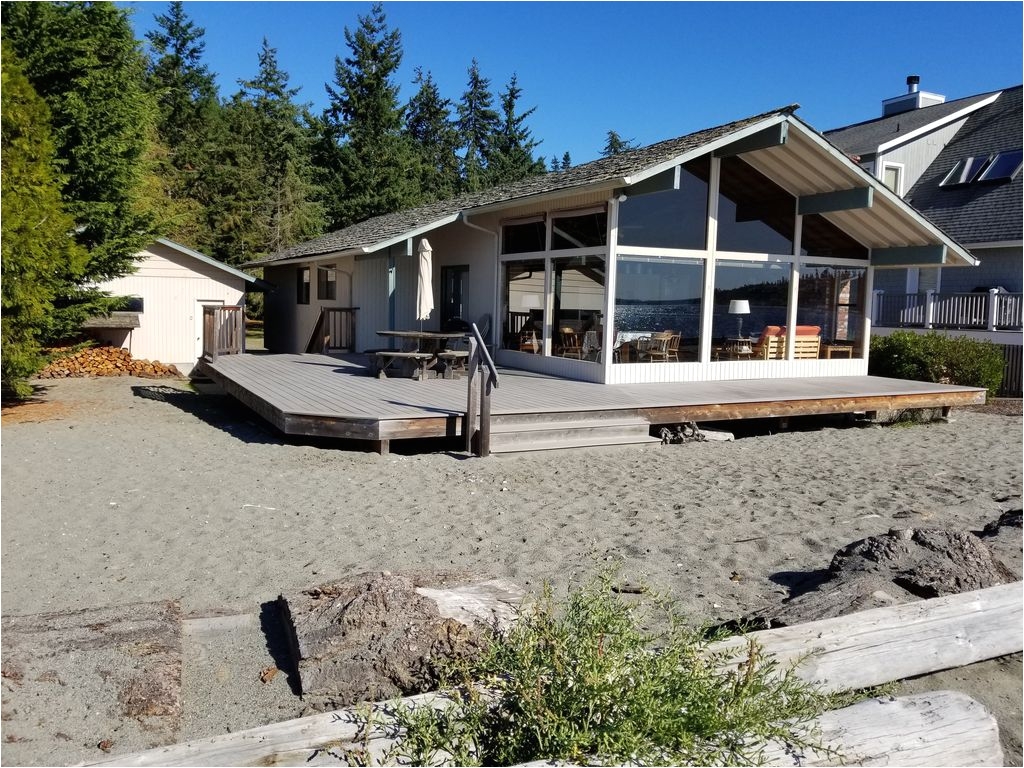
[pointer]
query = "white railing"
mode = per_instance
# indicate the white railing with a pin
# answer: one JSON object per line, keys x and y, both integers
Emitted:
{"x": 984, "y": 311}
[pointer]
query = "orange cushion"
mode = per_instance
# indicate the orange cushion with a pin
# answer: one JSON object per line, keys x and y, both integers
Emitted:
{"x": 769, "y": 330}
{"x": 805, "y": 330}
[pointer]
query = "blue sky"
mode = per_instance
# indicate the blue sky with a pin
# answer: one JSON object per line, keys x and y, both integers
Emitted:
{"x": 649, "y": 71}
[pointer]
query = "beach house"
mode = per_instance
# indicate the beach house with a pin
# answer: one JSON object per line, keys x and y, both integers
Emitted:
{"x": 958, "y": 162}
{"x": 686, "y": 260}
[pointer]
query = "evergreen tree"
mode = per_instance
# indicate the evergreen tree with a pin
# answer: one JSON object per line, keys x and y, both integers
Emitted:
{"x": 615, "y": 145}
{"x": 266, "y": 200}
{"x": 364, "y": 148}
{"x": 83, "y": 60}
{"x": 566, "y": 161}
{"x": 188, "y": 113}
{"x": 510, "y": 148}
{"x": 435, "y": 138}
{"x": 478, "y": 123}
{"x": 39, "y": 255}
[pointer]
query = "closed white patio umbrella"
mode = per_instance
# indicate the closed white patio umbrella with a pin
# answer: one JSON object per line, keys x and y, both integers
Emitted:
{"x": 424, "y": 289}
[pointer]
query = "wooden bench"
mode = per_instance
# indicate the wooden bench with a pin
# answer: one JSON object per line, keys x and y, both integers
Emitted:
{"x": 386, "y": 358}
{"x": 454, "y": 359}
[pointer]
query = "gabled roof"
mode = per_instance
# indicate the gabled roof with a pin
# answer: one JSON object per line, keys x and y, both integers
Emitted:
{"x": 208, "y": 260}
{"x": 865, "y": 138}
{"x": 982, "y": 212}
{"x": 802, "y": 161}
{"x": 612, "y": 171}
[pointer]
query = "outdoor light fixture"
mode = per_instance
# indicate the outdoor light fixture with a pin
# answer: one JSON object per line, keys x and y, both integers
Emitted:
{"x": 739, "y": 307}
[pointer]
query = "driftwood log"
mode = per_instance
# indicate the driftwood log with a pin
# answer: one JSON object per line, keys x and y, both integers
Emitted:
{"x": 890, "y": 643}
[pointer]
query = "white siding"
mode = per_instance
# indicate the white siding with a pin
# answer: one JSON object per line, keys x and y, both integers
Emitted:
{"x": 918, "y": 154}
{"x": 173, "y": 286}
{"x": 370, "y": 294}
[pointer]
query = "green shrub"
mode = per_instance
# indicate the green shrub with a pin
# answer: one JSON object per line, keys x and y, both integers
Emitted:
{"x": 587, "y": 681}
{"x": 937, "y": 358}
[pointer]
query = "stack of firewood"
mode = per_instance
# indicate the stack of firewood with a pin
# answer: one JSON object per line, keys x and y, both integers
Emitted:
{"x": 103, "y": 361}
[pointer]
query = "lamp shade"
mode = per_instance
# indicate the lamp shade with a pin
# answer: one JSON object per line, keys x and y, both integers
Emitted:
{"x": 739, "y": 307}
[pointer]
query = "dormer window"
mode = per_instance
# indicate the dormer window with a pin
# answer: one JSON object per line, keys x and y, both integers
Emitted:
{"x": 1004, "y": 166}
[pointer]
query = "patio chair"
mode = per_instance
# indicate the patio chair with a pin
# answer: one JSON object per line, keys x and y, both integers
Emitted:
{"x": 571, "y": 346}
{"x": 767, "y": 345}
{"x": 656, "y": 350}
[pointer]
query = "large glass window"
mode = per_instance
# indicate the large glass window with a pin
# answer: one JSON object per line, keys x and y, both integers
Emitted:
{"x": 523, "y": 236}
{"x": 832, "y": 298}
{"x": 578, "y": 306}
{"x": 655, "y": 297}
{"x": 669, "y": 210}
{"x": 587, "y": 230}
{"x": 750, "y": 308}
{"x": 523, "y": 326}
{"x": 755, "y": 215}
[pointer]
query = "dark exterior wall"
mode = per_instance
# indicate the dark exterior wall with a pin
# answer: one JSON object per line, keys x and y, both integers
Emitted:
{"x": 999, "y": 267}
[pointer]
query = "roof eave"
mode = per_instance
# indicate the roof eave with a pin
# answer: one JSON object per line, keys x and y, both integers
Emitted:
{"x": 206, "y": 259}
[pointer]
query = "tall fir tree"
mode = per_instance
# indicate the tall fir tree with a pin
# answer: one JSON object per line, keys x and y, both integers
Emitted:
{"x": 39, "y": 256}
{"x": 435, "y": 138}
{"x": 478, "y": 122}
{"x": 267, "y": 200}
{"x": 84, "y": 61}
{"x": 188, "y": 113}
{"x": 369, "y": 163}
{"x": 510, "y": 148}
{"x": 615, "y": 145}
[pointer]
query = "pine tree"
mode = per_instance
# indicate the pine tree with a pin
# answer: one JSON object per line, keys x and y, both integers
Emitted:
{"x": 509, "y": 150}
{"x": 370, "y": 163}
{"x": 566, "y": 161}
{"x": 266, "y": 198}
{"x": 83, "y": 60}
{"x": 478, "y": 122}
{"x": 615, "y": 145}
{"x": 39, "y": 256}
{"x": 435, "y": 138}
{"x": 188, "y": 113}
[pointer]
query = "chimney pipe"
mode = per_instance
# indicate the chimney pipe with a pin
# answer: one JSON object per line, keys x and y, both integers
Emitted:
{"x": 912, "y": 82}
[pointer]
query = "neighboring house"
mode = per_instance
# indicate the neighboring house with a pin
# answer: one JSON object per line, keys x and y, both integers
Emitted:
{"x": 959, "y": 164}
{"x": 171, "y": 285}
{"x": 716, "y": 237}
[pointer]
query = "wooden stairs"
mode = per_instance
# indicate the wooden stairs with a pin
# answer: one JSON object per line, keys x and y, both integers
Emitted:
{"x": 518, "y": 433}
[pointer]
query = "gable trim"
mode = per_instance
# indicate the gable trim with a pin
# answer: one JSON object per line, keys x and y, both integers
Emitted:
{"x": 206, "y": 259}
{"x": 924, "y": 129}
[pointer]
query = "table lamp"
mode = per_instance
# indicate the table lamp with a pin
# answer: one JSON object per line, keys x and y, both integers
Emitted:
{"x": 739, "y": 307}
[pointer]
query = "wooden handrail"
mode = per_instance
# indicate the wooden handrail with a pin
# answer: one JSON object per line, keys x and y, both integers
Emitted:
{"x": 223, "y": 331}
{"x": 335, "y": 328}
{"x": 479, "y": 357}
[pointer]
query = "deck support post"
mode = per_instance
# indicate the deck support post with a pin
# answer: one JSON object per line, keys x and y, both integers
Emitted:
{"x": 383, "y": 447}
{"x": 485, "y": 416}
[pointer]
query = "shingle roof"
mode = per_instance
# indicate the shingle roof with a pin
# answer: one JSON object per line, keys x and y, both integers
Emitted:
{"x": 865, "y": 138}
{"x": 382, "y": 228}
{"x": 980, "y": 212}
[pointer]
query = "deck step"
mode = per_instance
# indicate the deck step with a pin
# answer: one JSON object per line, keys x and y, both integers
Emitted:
{"x": 551, "y": 434}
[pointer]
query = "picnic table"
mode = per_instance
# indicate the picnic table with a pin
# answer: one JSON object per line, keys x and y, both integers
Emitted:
{"x": 421, "y": 350}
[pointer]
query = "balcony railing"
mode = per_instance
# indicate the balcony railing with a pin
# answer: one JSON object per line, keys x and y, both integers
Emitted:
{"x": 991, "y": 311}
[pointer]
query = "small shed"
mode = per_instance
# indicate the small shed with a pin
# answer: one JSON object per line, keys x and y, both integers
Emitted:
{"x": 170, "y": 287}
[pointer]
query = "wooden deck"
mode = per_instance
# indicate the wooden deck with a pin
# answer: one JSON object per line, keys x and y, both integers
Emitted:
{"x": 335, "y": 396}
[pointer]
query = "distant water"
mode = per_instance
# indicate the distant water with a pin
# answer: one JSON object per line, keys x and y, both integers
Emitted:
{"x": 684, "y": 318}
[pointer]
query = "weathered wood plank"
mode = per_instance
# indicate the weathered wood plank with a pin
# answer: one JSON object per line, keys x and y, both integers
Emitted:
{"x": 885, "y": 644}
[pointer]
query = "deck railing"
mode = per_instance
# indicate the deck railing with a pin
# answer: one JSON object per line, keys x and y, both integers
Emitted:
{"x": 479, "y": 361}
{"x": 992, "y": 310}
{"x": 334, "y": 330}
{"x": 223, "y": 331}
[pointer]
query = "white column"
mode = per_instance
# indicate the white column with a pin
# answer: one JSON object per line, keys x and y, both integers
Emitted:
{"x": 794, "y": 290}
{"x": 707, "y": 307}
{"x": 869, "y": 295}
{"x": 993, "y": 308}
{"x": 929, "y": 308}
{"x": 611, "y": 265}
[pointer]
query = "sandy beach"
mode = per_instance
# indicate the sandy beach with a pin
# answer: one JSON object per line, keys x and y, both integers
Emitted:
{"x": 111, "y": 498}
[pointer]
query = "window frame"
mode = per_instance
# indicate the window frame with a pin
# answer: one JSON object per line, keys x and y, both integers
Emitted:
{"x": 327, "y": 282}
{"x": 302, "y": 285}
{"x": 901, "y": 171}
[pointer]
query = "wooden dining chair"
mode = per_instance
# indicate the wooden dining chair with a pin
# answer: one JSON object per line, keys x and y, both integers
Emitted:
{"x": 657, "y": 348}
{"x": 571, "y": 346}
